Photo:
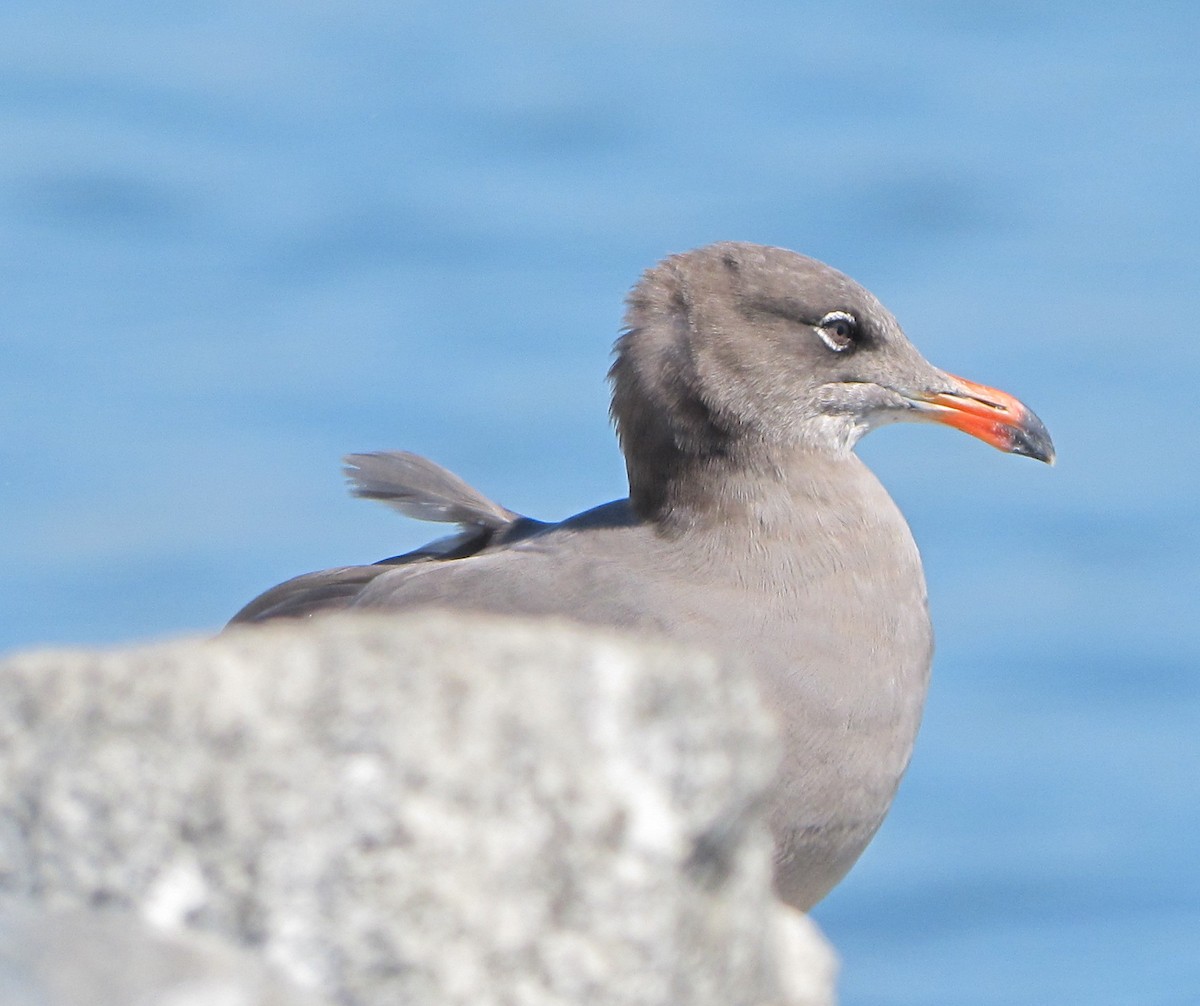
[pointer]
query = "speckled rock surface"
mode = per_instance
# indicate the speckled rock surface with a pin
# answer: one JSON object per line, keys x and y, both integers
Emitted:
{"x": 93, "y": 957}
{"x": 428, "y": 809}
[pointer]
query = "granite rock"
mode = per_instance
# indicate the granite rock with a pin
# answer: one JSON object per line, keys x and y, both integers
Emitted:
{"x": 93, "y": 957}
{"x": 432, "y": 808}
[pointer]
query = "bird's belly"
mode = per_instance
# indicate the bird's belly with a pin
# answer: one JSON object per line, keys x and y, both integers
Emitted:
{"x": 848, "y": 698}
{"x": 830, "y": 797}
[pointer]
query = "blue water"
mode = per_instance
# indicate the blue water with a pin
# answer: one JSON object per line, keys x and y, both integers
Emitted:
{"x": 237, "y": 242}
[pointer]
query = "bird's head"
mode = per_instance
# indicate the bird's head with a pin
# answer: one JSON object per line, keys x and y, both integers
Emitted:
{"x": 737, "y": 348}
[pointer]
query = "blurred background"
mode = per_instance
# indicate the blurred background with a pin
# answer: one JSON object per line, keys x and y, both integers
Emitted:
{"x": 241, "y": 240}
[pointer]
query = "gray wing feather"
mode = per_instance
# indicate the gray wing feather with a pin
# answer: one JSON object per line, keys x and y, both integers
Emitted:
{"x": 418, "y": 488}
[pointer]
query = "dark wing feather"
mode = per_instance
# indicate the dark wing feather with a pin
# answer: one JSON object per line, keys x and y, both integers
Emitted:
{"x": 302, "y": 596}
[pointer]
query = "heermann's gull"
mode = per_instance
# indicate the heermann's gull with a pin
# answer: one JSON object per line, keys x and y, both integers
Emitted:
{"x": 744, "y": 380}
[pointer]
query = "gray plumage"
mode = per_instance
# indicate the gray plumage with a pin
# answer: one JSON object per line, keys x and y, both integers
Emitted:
{"x": 422, "y": 490}
{"x": 744, "y": 379}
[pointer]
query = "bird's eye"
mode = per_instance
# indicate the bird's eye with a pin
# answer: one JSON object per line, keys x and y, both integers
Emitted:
{"x": 838, "y": 330}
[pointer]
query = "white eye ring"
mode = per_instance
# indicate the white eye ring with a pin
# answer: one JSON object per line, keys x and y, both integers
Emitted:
{"x": 838, "y": 330}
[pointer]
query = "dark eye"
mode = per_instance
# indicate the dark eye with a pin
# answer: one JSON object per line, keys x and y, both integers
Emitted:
{"x": 838, "y": 330}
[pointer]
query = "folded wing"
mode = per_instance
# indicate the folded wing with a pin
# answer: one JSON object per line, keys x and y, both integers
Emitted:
{"x": 418, "y": 488}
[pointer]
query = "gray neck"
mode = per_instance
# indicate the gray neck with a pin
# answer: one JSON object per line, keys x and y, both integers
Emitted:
{"x": 768, "y": 491}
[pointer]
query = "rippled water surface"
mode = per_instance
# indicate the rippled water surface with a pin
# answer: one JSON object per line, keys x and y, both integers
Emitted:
{"x": 238, "y": 242}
